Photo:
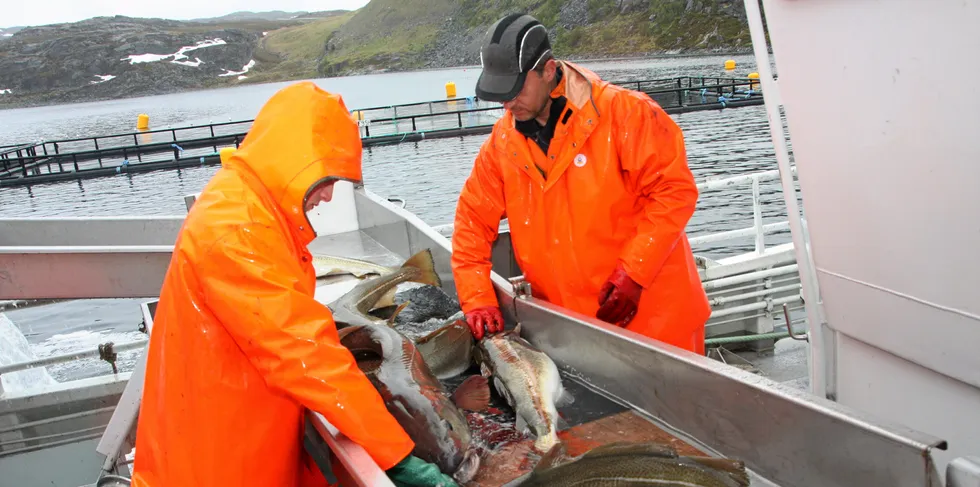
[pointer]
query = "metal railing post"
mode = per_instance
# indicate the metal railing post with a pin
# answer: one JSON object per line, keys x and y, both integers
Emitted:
{"x": 817, "y": 363}
{"x": 760, "y": 235}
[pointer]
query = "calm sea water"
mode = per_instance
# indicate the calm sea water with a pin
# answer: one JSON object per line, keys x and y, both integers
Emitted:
{"x": 427, "y": 174}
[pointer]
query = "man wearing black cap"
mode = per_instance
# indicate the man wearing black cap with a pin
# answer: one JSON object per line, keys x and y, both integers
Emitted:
{"x": 594, "y": 181}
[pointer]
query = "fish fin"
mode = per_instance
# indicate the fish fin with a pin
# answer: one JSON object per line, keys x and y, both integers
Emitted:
{"x": 557, "y": 455}
{"x": 391, "y": 319}
{"x": 735, "y": 469}
{"x": 459, "y": 325}
{"x": 561, "y": 423}
{"x": 424, "y": 261}
{"x": 521, "y": 426}
{"x": 485, "y": 370}
{"x": 388, "y": 299}
{"x": 499, "y": 385}
{"x": 384, "y": 312}
{"x": 336, "y": 271}
{"x": 343, "y": 332}
{"x": 564, "y": 399}
{"x": 364, "y": 273}
{"x": 626, "y": 448}
{"x": 430, "y": 336}
{"x": 473, "y": 394}
{"x": 517, "y": 329}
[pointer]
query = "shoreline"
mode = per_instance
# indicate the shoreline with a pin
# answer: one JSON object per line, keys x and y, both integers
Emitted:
{"x": 36, "y": 103}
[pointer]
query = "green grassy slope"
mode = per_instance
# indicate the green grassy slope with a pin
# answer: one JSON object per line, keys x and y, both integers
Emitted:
{"x": 410, "y": 34}
{"x": 293, "y": 52}
{"x": 386, "y": 34}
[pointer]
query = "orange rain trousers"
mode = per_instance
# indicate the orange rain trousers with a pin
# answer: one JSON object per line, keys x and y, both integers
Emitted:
{"x": 239, "y": 347}
{"x": 618, "y": 189}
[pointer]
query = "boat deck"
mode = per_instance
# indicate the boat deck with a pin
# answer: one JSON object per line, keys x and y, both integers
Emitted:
{"x": 786, "y": 363}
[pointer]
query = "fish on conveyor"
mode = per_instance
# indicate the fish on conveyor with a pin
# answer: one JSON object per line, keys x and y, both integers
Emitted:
{"x": 353, "y": 308}
{"x": 529, "y": 381}
{"x": 625, "y": 464}
{"x": 416, "y": 399}
{"x": 330, "y": 265}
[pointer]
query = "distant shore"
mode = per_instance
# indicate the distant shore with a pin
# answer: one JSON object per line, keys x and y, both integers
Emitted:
{"x": 69, "y": 98}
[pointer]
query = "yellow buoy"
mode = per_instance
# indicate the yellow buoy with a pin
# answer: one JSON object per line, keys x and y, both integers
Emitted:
{"x": 730, "y": 64}
{"x": 753, "y": 76}
{"x": 142, "y": 121}
{"x": 450, "y": 90}
{"x": 225, "y": 153}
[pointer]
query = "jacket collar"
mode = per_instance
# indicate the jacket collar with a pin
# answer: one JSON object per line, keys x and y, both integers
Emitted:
{"x": 577, "y": 85}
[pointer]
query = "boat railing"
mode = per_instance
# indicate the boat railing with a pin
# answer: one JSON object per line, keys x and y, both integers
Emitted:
{"x": 750, "y": 294}
{"x": 106, "y": 351}
{"x": 758, "y": 230}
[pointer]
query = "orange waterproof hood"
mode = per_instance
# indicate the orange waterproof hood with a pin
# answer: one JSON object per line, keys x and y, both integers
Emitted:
{"x": 301, "y": 137}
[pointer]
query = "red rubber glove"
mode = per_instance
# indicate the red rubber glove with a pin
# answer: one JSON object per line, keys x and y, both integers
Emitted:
{"x": 487, "y": 317}
{"x": 619, "y": 298}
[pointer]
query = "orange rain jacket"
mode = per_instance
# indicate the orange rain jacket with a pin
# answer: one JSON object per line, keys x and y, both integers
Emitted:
{"x": 239, "y": 347}
{"x": 618, "y": 188}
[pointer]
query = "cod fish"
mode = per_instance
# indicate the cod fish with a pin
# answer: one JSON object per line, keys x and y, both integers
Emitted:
{"x": 353, "y": 308}
{"x": 433, "y": 320}
{"x": 416, "y": 399}
{"x": 622, "y": 464}
{"x": 448, "y": 350}
{"x": 529, "y": 381}
{"x": 330, "y": 265}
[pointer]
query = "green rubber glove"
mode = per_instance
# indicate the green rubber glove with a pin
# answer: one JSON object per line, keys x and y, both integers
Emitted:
{"x": 415, "y": 472}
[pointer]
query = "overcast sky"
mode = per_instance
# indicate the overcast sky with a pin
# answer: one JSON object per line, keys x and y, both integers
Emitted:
{"x": 40, "y": 12}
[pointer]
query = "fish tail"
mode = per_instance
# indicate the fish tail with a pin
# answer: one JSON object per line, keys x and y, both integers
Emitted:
{"x": 424, "y": 262}
{"x": 546, "y": 442}
{"x": 391, "y": 319}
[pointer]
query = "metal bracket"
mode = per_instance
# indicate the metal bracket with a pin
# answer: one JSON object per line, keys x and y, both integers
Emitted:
{"x": 109, "y": 355}
{"x": 522, "y": 288}
{"x": 789, "y": 326}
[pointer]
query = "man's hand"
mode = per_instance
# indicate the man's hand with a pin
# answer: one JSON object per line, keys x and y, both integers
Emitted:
{"x": 415, "y": 472}
{"x": 486, "y": 318}
{"x": 618, "y": 298}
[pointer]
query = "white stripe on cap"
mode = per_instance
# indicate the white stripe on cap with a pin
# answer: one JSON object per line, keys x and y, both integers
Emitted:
{"x": 543, "y": 54}
{"x": 520, "y": 55}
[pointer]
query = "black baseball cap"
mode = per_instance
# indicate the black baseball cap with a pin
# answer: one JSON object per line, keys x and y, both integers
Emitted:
{"x": 513, "y": 46}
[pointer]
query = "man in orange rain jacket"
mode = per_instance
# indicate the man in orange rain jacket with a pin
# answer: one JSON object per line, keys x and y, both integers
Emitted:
{"x": 239, "y": 347}
{"x": 594, "y": 181}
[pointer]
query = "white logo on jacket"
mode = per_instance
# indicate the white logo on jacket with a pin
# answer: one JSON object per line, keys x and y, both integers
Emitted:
{"x": 580, "y": 160}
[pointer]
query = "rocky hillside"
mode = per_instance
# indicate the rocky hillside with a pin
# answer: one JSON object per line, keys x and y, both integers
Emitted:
{"x": 8, "y": 32}
{"x": 406, "y": 34}
{"x": 112, "y": 57}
